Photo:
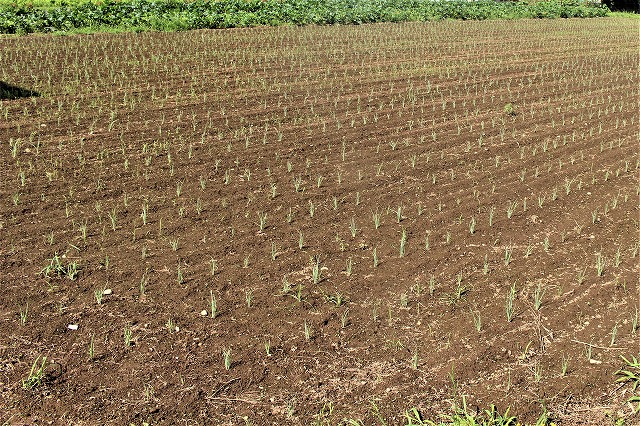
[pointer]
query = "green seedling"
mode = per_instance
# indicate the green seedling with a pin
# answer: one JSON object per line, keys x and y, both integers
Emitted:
{"x": 36, "y": 375}
{"x": 226, "y": 356}
{"x": 509, "y": 308}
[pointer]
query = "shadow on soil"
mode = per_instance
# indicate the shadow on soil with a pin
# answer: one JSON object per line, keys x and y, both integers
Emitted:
{"x": 8, "y": 91}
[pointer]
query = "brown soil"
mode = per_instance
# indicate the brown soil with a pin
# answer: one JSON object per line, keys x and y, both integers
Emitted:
{"x": 210, "y": 131}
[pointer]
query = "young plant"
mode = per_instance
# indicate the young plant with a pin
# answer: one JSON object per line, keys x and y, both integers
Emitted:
{"x": 565, "y": 365}
{"x": 99, "y": 294}
{"x": 36, "y": 375}
{"x": 600, "y": 264}
{"x": 344, "y": 320}
{"x": 24, "y": 312}
{"x": 631, "y": 374}
{"x": 316, "y": 271}
{"x": 376, "y": 219}
{"x": 213, "y": 266}
{"x": 226, "y": 356}
{"x": 307, "y": 331}
{"x": 507, "y": 255}
{"x": 248, "y": 297}
{"x": 403, "y": 242}
{"x": 352, "y": 227}
{"x": 262, "y": 220}
{"x": 509, "y": 308}
{"x": 127, "y": 334}
{"x": 538, "y": 294}
{"x": 581, "y": 275}
{"x": 349, "y": 266}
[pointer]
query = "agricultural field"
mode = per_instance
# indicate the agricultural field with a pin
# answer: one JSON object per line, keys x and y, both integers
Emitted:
{"x": 353, "y": 225}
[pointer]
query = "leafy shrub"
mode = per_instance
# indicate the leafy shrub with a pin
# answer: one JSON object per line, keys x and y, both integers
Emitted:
{"x": 182, "y": 15}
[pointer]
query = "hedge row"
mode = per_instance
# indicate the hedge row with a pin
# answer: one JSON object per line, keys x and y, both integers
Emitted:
{"x": 183, "y": 15}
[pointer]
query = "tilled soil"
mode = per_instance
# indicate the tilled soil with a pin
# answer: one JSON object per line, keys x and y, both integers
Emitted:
{"x": 386, "y": 217}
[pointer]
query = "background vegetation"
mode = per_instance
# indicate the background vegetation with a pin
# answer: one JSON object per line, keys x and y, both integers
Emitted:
{"x": 50, "y": 16}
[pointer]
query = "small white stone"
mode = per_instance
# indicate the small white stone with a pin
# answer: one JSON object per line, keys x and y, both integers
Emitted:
{"x": 595, "y": 361}
{"x": 72, "y": 327}
{"x": 177, "y": 328}
{"x": 203, "y": 312}
{"x": 107, "y": 292}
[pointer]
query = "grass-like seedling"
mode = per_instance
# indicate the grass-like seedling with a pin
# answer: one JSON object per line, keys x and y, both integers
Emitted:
{"x": 56, "y": 267}
{"x": 336, "y": 298}
{"x": 316, "y": 271}
{"x": 403, "y": 242}
{"x": 262, "y": 220}
{"x": 248, "y": 297}
{"x": 113, "y": 218}
{"x": 145, "y": 211}
{"x": 170, "y": 325}
{"x": 24, "y": 312}
{"x": 127, "y": 335}
{"x": 538, "y": 294}
{"x": 349, "y": 267}
{"x": 307, "y": 331}
{"x": 618, "y": 258}
{"x": 36, "y": 375}
{"x": 213, "y": 304}
{"x": 180, "y": 274}
{"x": 376, "y": 218}
{"x": 507, "y": 255}
{"x": 99, "y": 294}
{"x": 226, "y": 356}
{"x": 352, "y": 227}
{"x": 630, "y": 374}
{"x": 600, "y": 264}
{"x": 614, "y": 333}
{"x": 344, "y": 320}
{"x": 213, "y": 266}
{"x": 565, "y": 365}
{"x": 509, "y": 308}
{"x": 456, "y": 296}
{"x": 399, "y": 214}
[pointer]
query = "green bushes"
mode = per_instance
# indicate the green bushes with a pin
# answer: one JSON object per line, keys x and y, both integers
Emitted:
{"x": 177, "y": 14}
